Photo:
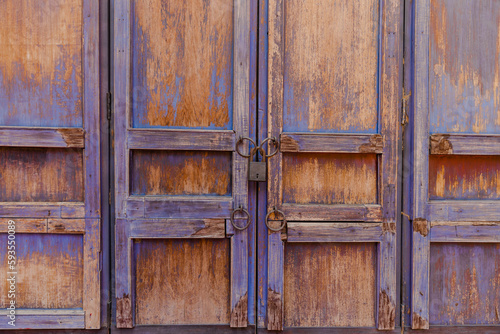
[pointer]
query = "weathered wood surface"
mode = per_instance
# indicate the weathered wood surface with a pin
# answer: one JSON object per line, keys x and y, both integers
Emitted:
{"x": 182, "y": 281}
{"x": 463, "y": 210}
{"x": 465, "y": 232}
{"x": 465, "y": 144}
{"x": 330, "y": 284}
{"x": 178, "y": 228}
{"x": 181, "y": 140}
{"x": 41, "y": 175}
{"x": 464, "y": 66}
{"x": 331, "y": 143}
{"x": 188, "y": 207}
{"x": 41, "y": 209}
{"x": 181, "y": 64}
{"x": 41, "y": 66}
{"x": 326, "y": 51}
{"x": 65, "y": 226}
{"x": 335, "y": 232}
{"x": 310, "y": 178}
{"x": 340, "y": 212}
{"x": 42, "y": 137}
{"x": 465, "y": 284}
{"x": 50, "y": 271}
{"x": 464, "y": 177}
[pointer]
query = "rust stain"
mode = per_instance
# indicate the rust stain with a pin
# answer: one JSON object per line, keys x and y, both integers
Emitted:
{"x": 440, "y": 144}
{"x": 41, "y": 62}
{"x": 288, "y": 144}
{"x": 274, "y": 310}
{"x": 239, "y": 315}
{"x": 185, "y": 53}
{"x": 124, "y": 312}
{"x": 181, "y": 173}
{"x": 330, "y": 178}
{"x": 331, "y": 65}
{"x": 418, "y": 322}
{"x": 386, "y": 312}
{"x": 376, "y": 145}
{"x": 420, "y": 226}
{"x": 73, "y": 137}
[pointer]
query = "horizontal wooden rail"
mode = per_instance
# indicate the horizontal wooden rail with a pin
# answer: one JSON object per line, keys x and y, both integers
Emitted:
{"x": 42, "y": 210}
{"x": 463, "y": 211}
{"x": 178, "y": 228}
{"x": 465, "y": 232}
{"x": 464, "y": 144}
{"x": 45, "y": 319}
{"x": 338, "y": 232}
{"x": 342, "y": 212}
{"x": 186, "y": 207}
{"x": 42, "y": 137}
{"x": 151, "y": 139}
{"x": 44, "y": 225}
{"x": 332, "y": 143}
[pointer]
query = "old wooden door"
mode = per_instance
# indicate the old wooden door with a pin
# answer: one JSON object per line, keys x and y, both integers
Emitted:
{"x": 181, "y": 83}
{"x": 333, "y": 101}
{"x": 50, "y": 163}
{"x": 456, "y": 177}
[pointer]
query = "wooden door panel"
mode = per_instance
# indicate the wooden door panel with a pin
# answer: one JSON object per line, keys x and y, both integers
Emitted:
{"x": 181, "y": 103}
{"x": 455, "y": 177}
{"x": 333, "y": 98}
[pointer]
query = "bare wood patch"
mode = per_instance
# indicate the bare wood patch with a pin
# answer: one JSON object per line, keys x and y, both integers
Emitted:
{"x": 24, "y": 225}
{"x": 213, "y": 228}
{"x": 440, "y": 144}
{"x": 288, "y": 144}
{"x": 274, "y": 311}
{"x": 386, "y": 312}
{"x": 239, "y": 315}
{"x": 389, "y": 227}
{"x": 376, "y": 145}
{"x": 73, "y": 137}
{"x": 420, "y": 226}
{"x": 66, "y": 226}
{"x": 124, "y": 312}
{"x": 418, "y": 322}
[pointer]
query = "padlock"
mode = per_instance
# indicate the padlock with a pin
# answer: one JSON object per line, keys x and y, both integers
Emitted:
{"x": 257, "y": 170}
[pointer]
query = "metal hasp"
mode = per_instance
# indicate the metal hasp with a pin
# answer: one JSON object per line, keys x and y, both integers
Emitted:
{"x": 257, "y": 170}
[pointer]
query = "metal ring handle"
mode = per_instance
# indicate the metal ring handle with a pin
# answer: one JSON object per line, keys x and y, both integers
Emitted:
{"x": 275, "y": 142}
{"x": 248, "y": 219}
{"x": 240, "y": 141}
{"x": 281, "y": 226}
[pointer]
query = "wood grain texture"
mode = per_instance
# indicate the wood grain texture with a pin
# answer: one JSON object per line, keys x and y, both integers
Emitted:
{"x": 330, "y": 178}
{"x": 49, "y": 271}
{"x": 181, "y": 140}
{"x": 330, "y": 284}
{"x": 182, "y": 282}
{"x": 465, "y": 232}
{"x": 464, "y": 284}
{"x": 333, "y": 143}
{"x": 336, "y": 232}
{"x": 24, "y": 225}
{"x": 41, "y": 175}
{"x": 66, "y": 226}
{"x": 178, "y": 228}
{"x": 42, "y": 209}
{"x": 182, "y": 64}
{"x": 458, "y": 210}
{"x": 325, "y": 52}
{"x": 464, "y": 177}
{"x": 33, "y": 322}
{"x": 180, "y": 173}
{"x": 41, "y": 63}
{"x": 42, "y": 137}
{"x": 338, "y": 212}
{"x": 465, "y": 66}
{"x": 464, "y": 144}
{"x": 186, "y": 207}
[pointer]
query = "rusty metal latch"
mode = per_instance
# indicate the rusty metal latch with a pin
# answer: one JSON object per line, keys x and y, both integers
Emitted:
{"x": 283, "y": 224}
{"x": 240, "y": 209}
{"x": 257, "y": 170}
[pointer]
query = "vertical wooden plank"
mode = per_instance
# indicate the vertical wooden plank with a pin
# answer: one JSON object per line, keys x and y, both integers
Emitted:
{"x": 390, "y": 97}
{"x": 121, "y": 102}
{"x": 420, "y": 260}
{"x": 275, "y": 282}
{"x": 241, "y": 89}
{"x": 92, "y": 163}
{"x": 123, "y": 263}
{"x": 275, "y": 248}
